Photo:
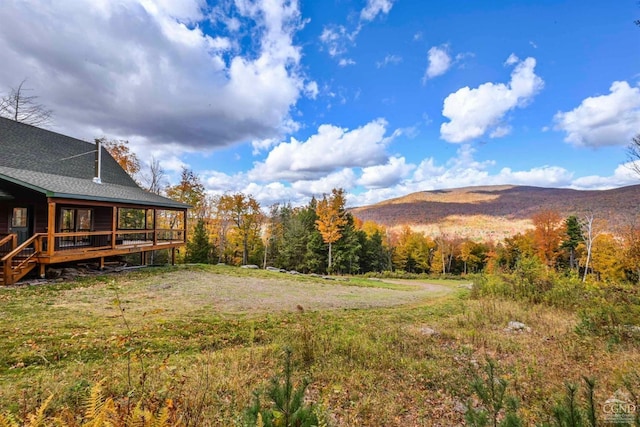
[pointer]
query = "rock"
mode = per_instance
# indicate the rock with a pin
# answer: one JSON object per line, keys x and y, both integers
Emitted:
{"x": 425, "y": 330}
{"x": 328, "y": 278}
{"x": 632, "y": 329}
{"x": 272, "y": 268}
{"x": 160, "y": 287}
{"x": 293, "y": 272}
{"x": 514, "y": 326}
{"x": 466, "y": 286}
{"x": 250, "y": 266}
{"x": 53, "y": 273}
{"x": 460, "y": 407}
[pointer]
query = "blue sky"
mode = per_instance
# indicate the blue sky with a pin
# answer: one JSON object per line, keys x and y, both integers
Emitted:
{"x": 285, "y": 99}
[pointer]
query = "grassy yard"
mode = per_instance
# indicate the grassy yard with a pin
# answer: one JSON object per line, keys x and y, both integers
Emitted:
{"x": 377, "y": 353}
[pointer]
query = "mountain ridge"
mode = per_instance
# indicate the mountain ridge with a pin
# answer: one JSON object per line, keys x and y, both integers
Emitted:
{"x": 496, "y": 212}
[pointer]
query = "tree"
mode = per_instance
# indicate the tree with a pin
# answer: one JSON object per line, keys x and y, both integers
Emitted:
{"x": 190, "y": 191}
{"x": 119, "y": 150}
{"x": 413, "y": 251}
{"x": 473, "y": 255}
{"x": 633, "y": 153}
{"x": 631, "y": 235}
{"x": 590, "y": 235}
{"x": 155, "y": 178}
{"x": 296, "y": 250}
{"x": 573, "y": 237}
{"x": 199, "y": 247}
{"x": 246, "y": 215}
{"x": 19, "y": 106}
{"x": 606, "y": 262}
{"x": 331, "y": 218}
{"x": 547, "y": 235}
{"x": 348, "y": 249}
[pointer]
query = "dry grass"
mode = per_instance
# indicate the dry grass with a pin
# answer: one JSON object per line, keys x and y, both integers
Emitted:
{"x": 185, "y": 292}
{"x": 208, "y": 337}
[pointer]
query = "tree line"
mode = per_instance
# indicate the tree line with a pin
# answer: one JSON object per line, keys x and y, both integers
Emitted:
{"x": 323, "y": 237}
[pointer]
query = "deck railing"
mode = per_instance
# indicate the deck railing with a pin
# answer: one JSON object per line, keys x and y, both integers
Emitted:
{"x": 8, "y": 242}
{"x": 21, "y": 260}
{"x": 102, "y": 240}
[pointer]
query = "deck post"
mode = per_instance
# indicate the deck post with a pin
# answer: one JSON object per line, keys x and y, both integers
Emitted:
{"x": 8, "y": 273}
{"x": 173, "y": 256}
{"x": 155, "y": 227}
{"x": 51, "y": 228}
{"x": 42, "y": 270}
{"x": 114, "y": 225}
{"x": 101, "y": 263}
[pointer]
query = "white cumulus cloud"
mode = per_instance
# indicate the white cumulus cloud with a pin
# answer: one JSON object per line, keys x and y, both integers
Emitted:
{"x": 473, "y": 112}
{"x": 330, "y": 148}
{"x": 622, "y": 175}
{"x": 386, "y": 175}
{"x": 439, "y": 62}
{"x": 603, "y": 120}
{"x": 145, "y": 69}
{"x": 375, "y": 8}
{"x": 344, "y": 178}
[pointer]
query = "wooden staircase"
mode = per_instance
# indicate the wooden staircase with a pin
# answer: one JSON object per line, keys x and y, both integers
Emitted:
{"x": 17, "y": 261}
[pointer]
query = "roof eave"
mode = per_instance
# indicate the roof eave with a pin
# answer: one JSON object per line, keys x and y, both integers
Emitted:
{"x": 176, "y": 205}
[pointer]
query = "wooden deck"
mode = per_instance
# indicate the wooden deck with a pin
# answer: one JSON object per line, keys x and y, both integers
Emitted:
{"x": 16, "y": 261}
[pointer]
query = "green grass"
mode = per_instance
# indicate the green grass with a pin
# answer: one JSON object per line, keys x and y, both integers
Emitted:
{"x": 374, "y": 366}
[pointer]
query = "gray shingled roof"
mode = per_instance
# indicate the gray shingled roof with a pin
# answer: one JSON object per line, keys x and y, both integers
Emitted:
{"x": 61, "y": 166}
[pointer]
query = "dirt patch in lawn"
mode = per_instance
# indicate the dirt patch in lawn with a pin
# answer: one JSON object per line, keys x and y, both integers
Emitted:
{"x": 201, "y": 291}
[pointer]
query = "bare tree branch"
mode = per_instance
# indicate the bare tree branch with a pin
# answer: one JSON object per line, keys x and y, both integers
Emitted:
{"x": 156, "y": 177}
{"x": 18, "y": 106}
{"x": 633, "y": 154}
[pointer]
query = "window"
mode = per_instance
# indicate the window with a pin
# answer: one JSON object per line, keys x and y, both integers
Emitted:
{"x": 76, "y": 219}
{"x": 149, "y": 219}
{"x": 131, "y": 219}
{"x": 83, "y": 219}
{"x": 19, "y": 218}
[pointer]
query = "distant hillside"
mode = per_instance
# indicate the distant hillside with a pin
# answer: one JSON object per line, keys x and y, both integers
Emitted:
{"x": 496, "y": 212}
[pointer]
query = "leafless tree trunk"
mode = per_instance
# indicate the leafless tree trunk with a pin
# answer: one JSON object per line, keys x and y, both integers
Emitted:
{"x": 590, "y": 236}
{"x": 23, "y": 108}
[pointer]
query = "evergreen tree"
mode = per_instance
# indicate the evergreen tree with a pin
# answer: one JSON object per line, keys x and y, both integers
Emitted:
{"x": 347, "y": 249}
{"x": 573, "y": 237}
{"x": 376, "y": 254}
{"x": 317, "y": 253}
{"x": 199, "y": 246}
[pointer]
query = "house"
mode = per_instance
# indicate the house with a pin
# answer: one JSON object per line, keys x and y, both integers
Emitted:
{"x": 63, "y": 200}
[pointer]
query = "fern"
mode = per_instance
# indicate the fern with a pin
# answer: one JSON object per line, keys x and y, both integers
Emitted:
{"x": 38, "y": 419}
{"x": 94, "y": 403}
{"x": 163, "y": 417}
{"x": 7, "y": 420}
